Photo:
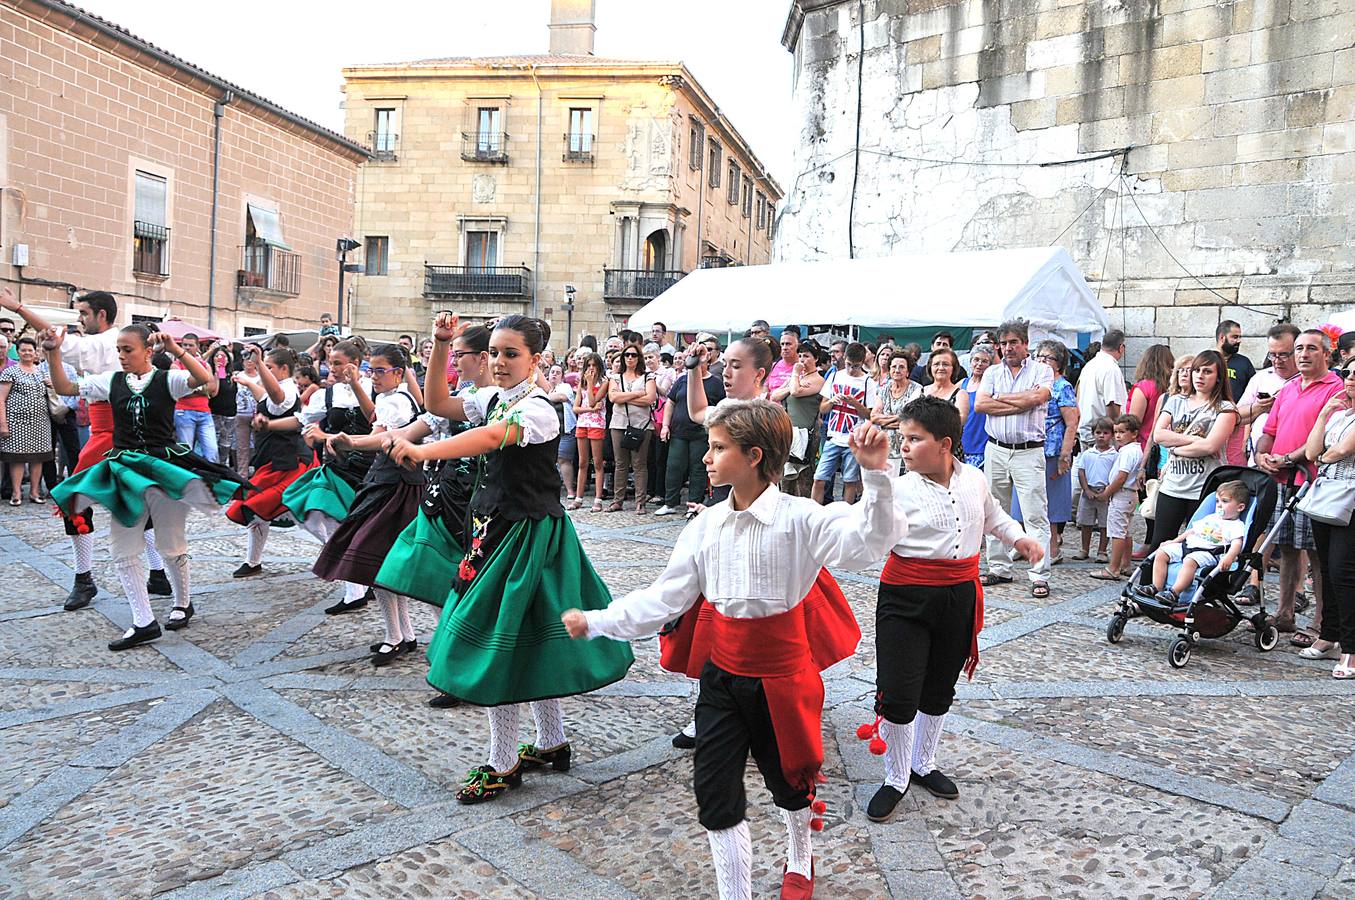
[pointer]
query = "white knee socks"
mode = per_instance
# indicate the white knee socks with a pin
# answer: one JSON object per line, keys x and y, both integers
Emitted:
{"x": 926, "y": 735}
{"x": 899, "y": 754}
{"x": 176, "y": 570}
{"x": 503, "y": 737}
{"x": 732, "y": 849}
{"x": 550, "y": 724}
{"x": 153, "y": 560}
{"x": 84, "y": 552}
{"x": 133, "y": 577}
{"x": 257, "y": 536}
{"x": 799, "y": 841}
{"x": 406, "y": 623}
{"x": 391, "y": 616}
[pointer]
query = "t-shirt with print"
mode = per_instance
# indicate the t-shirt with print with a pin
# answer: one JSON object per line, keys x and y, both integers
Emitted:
{"x": 1214, "y": 531}
{"x": 842, "y": 417}
{"x": 1184, "y": 477}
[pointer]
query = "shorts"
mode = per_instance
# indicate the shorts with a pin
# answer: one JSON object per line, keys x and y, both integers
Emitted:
{"x": 1092, "y": 513}
{"x": 1175, "y": 552}
{"x": 568, "y": 447}
{"x": 833, "y": 457}
{"x": 590, "y": 434}
{"x": 1119, "y": 513}
{"x": 1297, "y": 531}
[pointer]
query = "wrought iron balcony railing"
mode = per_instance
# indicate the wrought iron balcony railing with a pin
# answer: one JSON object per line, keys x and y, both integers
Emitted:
{"x": 270, "y": 269}
{"x": 638, "y": 284}
{"x": 476, "y": 281}
{"x": 484, "y": 146}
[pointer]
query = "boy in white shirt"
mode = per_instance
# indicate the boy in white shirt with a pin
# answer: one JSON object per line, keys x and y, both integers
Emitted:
{"x": 754, "y": 556}
{"x": 1214, "y": 540}
{"x": 1121, "y": 495}
{"x": 1094, "y": 468}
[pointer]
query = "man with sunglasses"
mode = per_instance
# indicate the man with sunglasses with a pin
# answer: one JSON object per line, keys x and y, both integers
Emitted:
{"x": 7, "y": 332}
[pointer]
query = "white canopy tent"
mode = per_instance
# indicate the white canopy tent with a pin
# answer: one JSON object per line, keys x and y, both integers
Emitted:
{"x": 976, "y": 289}
{"x": 1343, "y": 320}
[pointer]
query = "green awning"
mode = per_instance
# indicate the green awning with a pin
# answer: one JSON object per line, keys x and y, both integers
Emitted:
{"x": 267, "y": 228}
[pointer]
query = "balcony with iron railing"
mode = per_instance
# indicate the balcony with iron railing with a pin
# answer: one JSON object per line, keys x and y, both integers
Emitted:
{"x": 150, "y": 251}
{"x": 476, "y": 281}
{"x": 265, "y": 269}
{"x": 484, "y": 146}
{"x": 383, "y": 145}
{"x": 578, "y": 147}
{"x": 637, "y": 284}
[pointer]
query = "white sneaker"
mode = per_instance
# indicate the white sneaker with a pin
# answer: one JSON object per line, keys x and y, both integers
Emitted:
{"x": 665, "y": 510}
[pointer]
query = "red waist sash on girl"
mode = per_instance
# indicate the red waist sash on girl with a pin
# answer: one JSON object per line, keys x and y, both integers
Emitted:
{"x": 776, "y": 649}
{"x": 942, "y": 573}
{"x": 100, "y": 435}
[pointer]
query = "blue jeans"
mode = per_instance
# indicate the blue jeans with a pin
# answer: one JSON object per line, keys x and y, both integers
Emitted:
{"x": 197, "y": 430}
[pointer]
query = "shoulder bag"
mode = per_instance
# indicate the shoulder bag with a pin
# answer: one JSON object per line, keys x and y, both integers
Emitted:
{"x": 56, "y": 407}
{"x": 1329, "y": 501}
{"x": 632, "y": 437}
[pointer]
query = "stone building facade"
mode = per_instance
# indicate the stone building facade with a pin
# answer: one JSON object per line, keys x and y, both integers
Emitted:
{"x": 497, "y": 182}
{"x": 1217, "y": 139}
{"x": 106, "y": 181}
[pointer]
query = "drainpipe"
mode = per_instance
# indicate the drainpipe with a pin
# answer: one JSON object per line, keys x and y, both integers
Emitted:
{"x": 703, "y": 178}
{"x": 536, "y": 275}
{"x": 218, "y": 110}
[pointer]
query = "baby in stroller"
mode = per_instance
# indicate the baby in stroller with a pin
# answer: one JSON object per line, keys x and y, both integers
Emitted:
{"x": 1214, "y": 540}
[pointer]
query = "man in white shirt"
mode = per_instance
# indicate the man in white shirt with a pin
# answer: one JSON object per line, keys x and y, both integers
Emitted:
{"x": 1101, "y": 391}
{"x": 848, "y": 397}
{"x": 1014, "y": 397}
{"x": 658, "y": 334}
{"x": 930, "y": 608}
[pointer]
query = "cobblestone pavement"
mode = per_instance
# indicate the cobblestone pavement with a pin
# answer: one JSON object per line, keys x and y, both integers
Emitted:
{"x": 258, "y": 753}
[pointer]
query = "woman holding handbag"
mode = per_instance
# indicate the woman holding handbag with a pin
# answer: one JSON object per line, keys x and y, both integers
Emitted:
{"x": 1331, "y": 445}
{"x": 632, "y": 393}
{"x": 25, "y": 422}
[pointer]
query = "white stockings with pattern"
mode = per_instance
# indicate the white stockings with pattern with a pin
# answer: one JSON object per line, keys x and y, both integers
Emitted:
{"x": 503, "y": 736}
{"x": 799, "y": 841}
{"x": 176, "y": 570}
{"x": 256, "y": 538}
{"x": 550, "y": 724}
{"x": 899, "y": 754}
{"x": 84, "y": 552}
{"x": 926, "y": 735}
{"x": 394, "y": 610}
{"x": 732, "y": 849}
{"x": 132, "y": 575}
{"x": 153, "y": 560}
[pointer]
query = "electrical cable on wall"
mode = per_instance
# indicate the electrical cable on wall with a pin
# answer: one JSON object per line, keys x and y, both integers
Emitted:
{"x": 856, "y": 159}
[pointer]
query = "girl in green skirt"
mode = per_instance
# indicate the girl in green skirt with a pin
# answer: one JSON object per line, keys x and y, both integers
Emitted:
{"x": 500, "y": 641}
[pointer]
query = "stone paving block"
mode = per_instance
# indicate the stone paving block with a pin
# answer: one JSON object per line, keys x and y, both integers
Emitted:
{"x": 71, "y": 640}
{"x": 29, "y": 753}
{"x": 25, "y": 695}
{"x": 1264, "y": 879}
{"x": 439, "y": 869}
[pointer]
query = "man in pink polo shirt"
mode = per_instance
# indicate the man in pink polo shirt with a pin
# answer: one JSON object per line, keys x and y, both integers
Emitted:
{"x": 1286, "y": 430}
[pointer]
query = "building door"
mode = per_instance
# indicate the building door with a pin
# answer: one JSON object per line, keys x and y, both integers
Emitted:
{"x": 656, "y": 251}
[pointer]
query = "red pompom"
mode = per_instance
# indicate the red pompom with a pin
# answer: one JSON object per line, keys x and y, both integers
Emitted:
{"x": 819, "y": 807}
{"x": 878, "y": 747}
{"x": 816, "y": 824}
{"x": 864, "y": 732}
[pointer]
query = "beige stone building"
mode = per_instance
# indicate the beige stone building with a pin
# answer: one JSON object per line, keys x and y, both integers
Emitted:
{"x": 116, "y": 159}
{"x": 1197, "y": 158}
{"x": 498, "y": 183}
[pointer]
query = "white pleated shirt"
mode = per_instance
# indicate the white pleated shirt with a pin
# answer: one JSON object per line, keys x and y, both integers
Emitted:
{"x": 949, "y": 522}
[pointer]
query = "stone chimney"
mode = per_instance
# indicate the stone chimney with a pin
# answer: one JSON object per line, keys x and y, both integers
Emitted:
{"x": 571, "y": 27}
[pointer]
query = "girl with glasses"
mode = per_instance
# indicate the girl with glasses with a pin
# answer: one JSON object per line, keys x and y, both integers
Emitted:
{"x": 632, "y": 393}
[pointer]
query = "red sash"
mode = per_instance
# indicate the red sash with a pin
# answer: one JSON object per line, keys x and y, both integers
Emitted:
{"x": 100, "y": 435}
{"x": 776, "y": 649}
{"x": 942, "y": 573}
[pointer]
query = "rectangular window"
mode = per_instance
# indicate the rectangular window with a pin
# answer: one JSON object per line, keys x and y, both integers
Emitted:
{"x": 580, "y": 138}
{"x": 696, "y": 144}
{"x": 482, "y": 249}
{"x": 383, "y": 134}
{"x": 150, "y": 233}
{"x": 377, "y": 255}
{"x": 747, "y": 196}
{"x": 488, "y": 135}
{"x": 732, "y": 191}
{"x": 771, "y": 217}
{"x": 761, "y": 210}
{"x": 714, "y": 164}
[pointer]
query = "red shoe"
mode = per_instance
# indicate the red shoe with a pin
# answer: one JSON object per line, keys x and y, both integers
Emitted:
{"x": 1139, "y": 553}
{"x": 795, "y": 886}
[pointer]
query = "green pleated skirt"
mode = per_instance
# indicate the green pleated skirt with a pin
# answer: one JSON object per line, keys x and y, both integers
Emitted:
{"x": 423, "y": 562}
{"x": 320, "y": 490}
{"x": 501, "y": 640}
{"x": 119, "y": 483}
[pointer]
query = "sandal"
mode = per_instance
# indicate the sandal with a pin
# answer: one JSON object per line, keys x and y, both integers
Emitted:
{"x": 575, "y": 504}
{"x": 1039, "y": 589}
{"x": 1314, "y": 653}
{"x": 1284, "y": 624}
{"x": 988, "y": 579}
{"x": 597, "y": 506}
{"x": 1303, "y": 639}
{"x": 640, "y": 509}
{"x": 1105, "y": 575}
{"x": 15, "y": 501}
{"x": 1079, "y": 557}
{"x": 616, "y": 506}
{"x": 1343, "y": 672}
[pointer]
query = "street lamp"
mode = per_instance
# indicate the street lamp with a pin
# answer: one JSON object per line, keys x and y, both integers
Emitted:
{"x": 341, "y": 248}
{"x": 568, "y": 307}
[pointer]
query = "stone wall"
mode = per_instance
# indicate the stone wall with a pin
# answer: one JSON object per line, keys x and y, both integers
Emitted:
{"x": 1232, "y": 201}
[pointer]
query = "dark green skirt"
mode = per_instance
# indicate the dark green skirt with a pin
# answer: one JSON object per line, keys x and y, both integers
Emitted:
{"x": 423, "y": 562}
{"x": 320, "y": 490}
{"x": 119, "y": 483}
{"x": 502, "y": 641}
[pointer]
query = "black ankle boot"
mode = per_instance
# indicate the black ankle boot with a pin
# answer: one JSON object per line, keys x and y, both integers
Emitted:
{"x": 157, "y": 585}
{"x": 82, "y": 592}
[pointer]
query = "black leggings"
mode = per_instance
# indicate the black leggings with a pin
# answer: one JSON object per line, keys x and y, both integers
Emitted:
{"x": 922, "y": 639}
{"x": 1172, "y": 513}
{"x": 1336, "y": 559}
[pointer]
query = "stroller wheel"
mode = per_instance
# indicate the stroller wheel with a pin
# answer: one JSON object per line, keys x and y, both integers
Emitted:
{"x": 1179, "y": 653}
{"x": 1267, "y": 636}
{"x": 1115, "y": 630}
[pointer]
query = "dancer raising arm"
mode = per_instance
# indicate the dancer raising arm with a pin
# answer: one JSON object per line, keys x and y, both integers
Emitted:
{"x": 754, "y": 556}
{"x": 147, "y": 473}
{"x": 499, "y": 642}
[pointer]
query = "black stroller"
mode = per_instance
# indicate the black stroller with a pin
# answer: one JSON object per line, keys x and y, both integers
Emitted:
{"x": 1208, "y": 609}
